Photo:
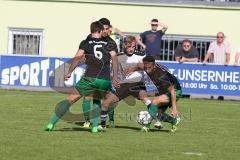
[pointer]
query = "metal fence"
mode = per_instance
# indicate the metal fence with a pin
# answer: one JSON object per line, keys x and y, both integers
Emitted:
{"x": 170, "y": 43}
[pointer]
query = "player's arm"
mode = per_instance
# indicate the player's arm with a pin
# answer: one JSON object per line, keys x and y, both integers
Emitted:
{"x": 130, "y": 70}
{"x": 114, "y": 68}
{"x": 173, "y": 100}
{"x": 139, "y": 41}
{"x": 77, "y": 58}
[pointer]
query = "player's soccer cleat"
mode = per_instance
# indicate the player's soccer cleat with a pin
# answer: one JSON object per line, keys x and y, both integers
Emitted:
{"x": 86, "y": 125}
{"x": 95, "y": 130}
{"x": 158, "y": 125}
{"x": 101, "y": 128}
{"x": 49, "y": 127}
{"x": 111, "y": 124}
{"x": 144, "y": 129}
{"x": 175, "y": 123}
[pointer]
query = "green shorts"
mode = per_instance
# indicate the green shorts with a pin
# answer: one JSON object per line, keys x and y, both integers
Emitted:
{"x": 169, "y": 104}
{"x": 93, "y": 86}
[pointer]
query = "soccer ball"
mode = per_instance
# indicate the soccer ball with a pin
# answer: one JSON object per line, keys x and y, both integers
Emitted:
{"x": 144, "y": 118}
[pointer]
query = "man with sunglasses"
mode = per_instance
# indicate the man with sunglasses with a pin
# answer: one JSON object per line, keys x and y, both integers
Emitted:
{"x": 220, "y": 49}
{"x": 185, "y": 52}
{"x": 151, "y": 40}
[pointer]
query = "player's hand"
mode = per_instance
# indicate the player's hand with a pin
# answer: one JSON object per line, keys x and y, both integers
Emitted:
{"x": 115, "y": 83}
{"x": 174, "y": 113}
{"x": 67, "y": 76}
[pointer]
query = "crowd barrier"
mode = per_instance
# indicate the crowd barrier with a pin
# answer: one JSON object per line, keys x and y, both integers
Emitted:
{"x": 41, "y": 73}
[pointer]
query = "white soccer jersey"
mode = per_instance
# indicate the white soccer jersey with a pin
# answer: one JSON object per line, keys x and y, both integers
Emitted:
{"x": 126, "y": 62}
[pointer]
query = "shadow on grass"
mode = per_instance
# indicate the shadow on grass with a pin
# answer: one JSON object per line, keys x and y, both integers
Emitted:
{"x": 139, "y": 128}
{"x": 73, "y": 129}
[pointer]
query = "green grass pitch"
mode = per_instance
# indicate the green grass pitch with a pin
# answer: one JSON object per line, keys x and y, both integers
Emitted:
{"x": 209, "y": 130}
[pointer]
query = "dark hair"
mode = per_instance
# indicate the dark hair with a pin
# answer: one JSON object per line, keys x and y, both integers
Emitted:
{"x": 154, "y": 20}
{"x": 149, "y": 59}
{"x": 104, "y": 21}
{"x": 186, "y": 40}
{"x": 96, "y": 27}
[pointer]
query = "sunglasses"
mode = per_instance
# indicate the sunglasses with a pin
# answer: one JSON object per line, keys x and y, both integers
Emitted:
{"x": 220, "y": 37}
{"x": 186, "y": 45}
{"x": 154, "y": 25}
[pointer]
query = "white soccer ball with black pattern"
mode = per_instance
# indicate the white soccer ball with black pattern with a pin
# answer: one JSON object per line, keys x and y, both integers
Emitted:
{"x": 144, "y": 118}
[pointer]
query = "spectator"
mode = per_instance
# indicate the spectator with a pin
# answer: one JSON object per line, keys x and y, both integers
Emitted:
{"x": 186, "y": 52}
{"x": 220, "y": 50}
{"x": 151, "y": 40}
{"x": 237, "y": 57}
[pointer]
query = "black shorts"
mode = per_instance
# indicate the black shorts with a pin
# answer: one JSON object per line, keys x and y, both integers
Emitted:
{"x": 129, "y": 89}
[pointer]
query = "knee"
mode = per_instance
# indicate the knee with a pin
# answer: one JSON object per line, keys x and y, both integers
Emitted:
{"x": 142, "y": 95}
{"x": 155, "y": 101}
{"x": 106, "y": 104}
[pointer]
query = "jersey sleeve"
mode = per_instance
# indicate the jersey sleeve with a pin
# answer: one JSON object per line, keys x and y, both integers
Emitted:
{"x": 111, "y": 46}
{"x": 82, "y": 45}
{"x": 161, "y": 32}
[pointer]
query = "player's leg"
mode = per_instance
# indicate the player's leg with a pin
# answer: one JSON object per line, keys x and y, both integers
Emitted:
{"x": 173, "y": 120}
{"x": 153, "y": 109}
{"x": 109, "y": 100}
{"x": 86, "y": 105}
{"x": 102, "y": 88}
{"x": 111, "y": 115}
{"x": 143, "y": 96}
{"x": 96, "y": 110}
{"x": 62, "y": 107}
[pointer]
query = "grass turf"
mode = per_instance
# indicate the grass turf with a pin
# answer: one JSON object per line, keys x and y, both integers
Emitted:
{"x": 209, "y": 130}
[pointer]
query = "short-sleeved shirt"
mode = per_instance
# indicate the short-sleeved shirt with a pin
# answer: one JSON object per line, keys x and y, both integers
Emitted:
{"x": 192, "y": 53}
{"x": 152, "y": 40}
{"x": 97, "y": 53}
{"x": 163, "y": 79}
{"x": 219, "y": 51}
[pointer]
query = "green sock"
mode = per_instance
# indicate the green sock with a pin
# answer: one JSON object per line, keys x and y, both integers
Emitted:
{"x": 165, "y": 117}
{"x": 96, "y": 110}
{"x": 153, "y": 111}
{"x": 111, "y": 113}
{"x": 86, "y": 108}
{"x": 61, "y": 108}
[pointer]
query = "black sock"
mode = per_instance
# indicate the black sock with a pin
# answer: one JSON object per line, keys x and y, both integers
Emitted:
{"x": 103, "y": 118}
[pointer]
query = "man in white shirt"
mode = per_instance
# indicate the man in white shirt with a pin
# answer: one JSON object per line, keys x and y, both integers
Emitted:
{"x": 220, "y": 50}
{"x": 130, "y": 84}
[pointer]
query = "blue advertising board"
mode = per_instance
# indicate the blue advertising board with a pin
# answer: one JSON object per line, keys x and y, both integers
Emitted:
{"x": 45, "y": 72}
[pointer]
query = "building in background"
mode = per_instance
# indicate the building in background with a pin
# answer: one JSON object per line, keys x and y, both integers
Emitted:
{"x": 55, "y": 28}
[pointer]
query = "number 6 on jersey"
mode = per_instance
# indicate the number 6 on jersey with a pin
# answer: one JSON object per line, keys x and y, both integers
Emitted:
{"x": 97, "y": 54}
